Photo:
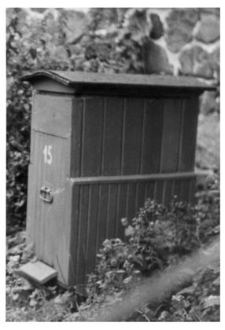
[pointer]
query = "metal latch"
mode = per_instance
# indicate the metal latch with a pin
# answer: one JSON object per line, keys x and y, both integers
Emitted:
{"x": 46, "y": 194}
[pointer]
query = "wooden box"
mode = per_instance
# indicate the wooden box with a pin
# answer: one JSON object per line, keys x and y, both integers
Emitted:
{"x": 100, "y": 145}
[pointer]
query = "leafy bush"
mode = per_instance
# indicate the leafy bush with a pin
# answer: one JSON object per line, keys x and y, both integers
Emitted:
{"x": 157, "y": 237}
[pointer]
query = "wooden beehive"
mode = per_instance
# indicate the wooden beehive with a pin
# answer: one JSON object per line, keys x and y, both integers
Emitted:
{"x": 100, "y": 145}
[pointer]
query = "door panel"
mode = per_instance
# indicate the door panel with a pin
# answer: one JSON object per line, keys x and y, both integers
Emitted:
{"x": 50, "y": 169}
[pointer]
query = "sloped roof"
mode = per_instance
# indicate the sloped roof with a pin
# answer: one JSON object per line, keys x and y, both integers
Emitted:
{"x": 74, "y": 78}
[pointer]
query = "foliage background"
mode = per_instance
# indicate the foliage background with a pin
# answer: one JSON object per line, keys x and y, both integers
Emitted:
{"x": 171, "y": 41}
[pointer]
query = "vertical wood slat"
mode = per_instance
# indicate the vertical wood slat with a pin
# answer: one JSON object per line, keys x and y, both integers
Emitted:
{"x": 92, "y": 136}
{"x": 192, "y": 191}
{"x": 74, "y": 237}
{"x": 168, "y": 191}
{"x": 185, "y": 189}
{"x": 131, "y": 211}
{"x": 121, "y": 200}
{"x": 82, "y": 234}
{"x": 39, "y": 206}
{"x": 171, "y": 135}
{"x": 112, "y": 136}
{"x": 150, "y": 189}
{"x": 140, "y": 195}
{"x": 118, "y": 226}
{"x": 159, "y": 186}
{"x": 112, "y": 207}
{"x": 177, "y": 189}
{"x": 189, "y": 133}
{"x": 123, "y": 136}
{"x": 152, "y": 138}
{"x": 122, "y": 205}
{"x": 92, "y": 228}
{"x": 102, "y": 213}
{"x": 76, "y": 137}
{"x": 133, "y": 136}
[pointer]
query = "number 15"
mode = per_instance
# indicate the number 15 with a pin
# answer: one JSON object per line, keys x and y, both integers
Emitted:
{"x": 47, "y": 154}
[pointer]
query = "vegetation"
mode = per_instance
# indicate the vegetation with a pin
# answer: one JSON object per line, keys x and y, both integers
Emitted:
{"x": 157, "y": 238}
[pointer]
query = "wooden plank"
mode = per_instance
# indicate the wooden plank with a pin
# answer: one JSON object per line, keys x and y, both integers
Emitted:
{"x": 74, "y": 232}
{"x": 133, "y": 136}
{"x": 149, "y": 187}
{"x": 102, "y": 214}
{"x": 118, "y": 220}
{"x": 122, "y": 207}
{"x": 39, "y": 210}
{"x": 82, "y": 235}
{"x": 171, "y": 136}
{"x": 31, "y": 201}
{"x": 92, "y": 228}
{"x": 177, "y": 189}
{"x": 140, "y": 195}
{"x": 38, "y": 271}
{"x": 189, "y": 133}
{"x": 192, "y": 191}
{"x": 76, "y": 137}
{"x": 158, "y": 193}
{"x": 49, "y": 85}
{"x": 112, "y": 136}
{"x": 168, "y": 192}
{"x": 134, "y": 178}
{"x": 70, "y": 78}
{"x": 153, "y": 123}
{"x": 112, "y": 207}
{"x": 92, "y": 136}
{"x": 131, "y": 200}
{"x": 185, "y": 190}
{"x": 52, "y": 114}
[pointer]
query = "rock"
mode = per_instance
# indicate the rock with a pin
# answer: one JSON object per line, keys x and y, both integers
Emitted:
{"x": 187, "y": 62}
{"x": 196, "y": 61}
{"x": 208, "y": 30}
{"x": 181, "y": 23}
{"x": 204, "y": 70}
{"x": 208, "y": 103}
{"x": 155, "y": 59}
{"x": 157, "y": 30}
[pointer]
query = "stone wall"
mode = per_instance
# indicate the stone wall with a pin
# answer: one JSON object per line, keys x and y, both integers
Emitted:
{"x": 190, "y": 40}
{"x": 186, "y": 42}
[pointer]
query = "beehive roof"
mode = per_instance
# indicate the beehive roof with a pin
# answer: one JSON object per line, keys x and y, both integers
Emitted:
{"x": 75, "y": 78}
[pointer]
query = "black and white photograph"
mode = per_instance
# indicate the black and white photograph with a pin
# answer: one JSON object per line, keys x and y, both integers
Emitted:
{"x": 112, "y": 164}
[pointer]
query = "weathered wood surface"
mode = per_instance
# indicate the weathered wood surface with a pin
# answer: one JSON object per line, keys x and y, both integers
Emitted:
{"x": 38, "y": 271}
{"x": 102, "y": 156}
{"x": 101, "y": 207}
{"x": 74, "y": 78}
{"x": 122, "y": 136}
{"x": 52, "y": 114}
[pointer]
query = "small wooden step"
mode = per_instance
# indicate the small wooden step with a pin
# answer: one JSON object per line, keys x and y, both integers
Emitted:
{"x": 38, "y": 271}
